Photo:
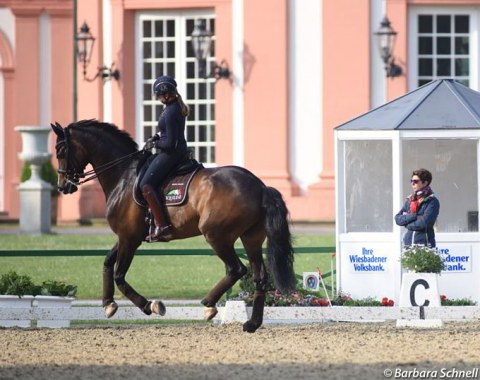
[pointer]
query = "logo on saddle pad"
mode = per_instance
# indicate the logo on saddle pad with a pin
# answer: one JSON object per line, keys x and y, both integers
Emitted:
{"x": 176, "y": 193}
{"x": 176, "y": 189}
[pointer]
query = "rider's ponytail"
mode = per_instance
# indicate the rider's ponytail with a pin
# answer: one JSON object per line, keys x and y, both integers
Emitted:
{"x": 183, "y": 106}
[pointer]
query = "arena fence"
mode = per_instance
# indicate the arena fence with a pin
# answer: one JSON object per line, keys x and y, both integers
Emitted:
{"x": 238, "y": 312}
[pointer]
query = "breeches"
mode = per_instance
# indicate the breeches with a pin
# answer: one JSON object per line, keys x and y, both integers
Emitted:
{"x": 160, "y": 167}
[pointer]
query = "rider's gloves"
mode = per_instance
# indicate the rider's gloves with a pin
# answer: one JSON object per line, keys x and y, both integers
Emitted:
{"x": 150, "y": 144}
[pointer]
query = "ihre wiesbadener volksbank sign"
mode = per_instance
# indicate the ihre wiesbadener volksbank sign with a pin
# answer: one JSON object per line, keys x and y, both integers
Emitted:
{"x": 368, "y": 261}
{"x": 457, "y": 259}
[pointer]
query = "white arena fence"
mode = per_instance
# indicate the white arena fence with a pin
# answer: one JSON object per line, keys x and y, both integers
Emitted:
{"x": 236, "y": 311}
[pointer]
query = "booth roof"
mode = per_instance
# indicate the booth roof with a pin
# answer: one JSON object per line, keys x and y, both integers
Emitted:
{"x": 441, "y": 104}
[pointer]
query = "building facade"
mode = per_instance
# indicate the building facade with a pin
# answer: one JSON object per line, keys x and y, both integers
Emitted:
{"x": 298, "y": 69}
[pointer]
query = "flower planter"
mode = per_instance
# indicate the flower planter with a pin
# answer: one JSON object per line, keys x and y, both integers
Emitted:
{"x": 8, "y": 302}
{"x": 53, "y": 302}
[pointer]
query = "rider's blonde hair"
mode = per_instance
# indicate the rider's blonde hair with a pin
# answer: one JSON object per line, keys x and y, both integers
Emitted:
{"x": 183, "y": 106}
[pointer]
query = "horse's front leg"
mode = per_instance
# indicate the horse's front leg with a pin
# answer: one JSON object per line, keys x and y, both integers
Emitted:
{"x": 109, "y": 305}
{"x": 124, "y": 260}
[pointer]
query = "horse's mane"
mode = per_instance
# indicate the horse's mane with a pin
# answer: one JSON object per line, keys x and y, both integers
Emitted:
{"x": 94, "y": 125}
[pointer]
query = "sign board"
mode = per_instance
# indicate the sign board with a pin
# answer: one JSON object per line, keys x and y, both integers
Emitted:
{"x": 419, "y": 289}
{"x": 457, "y": 257}
{"x": 311, "y": 281}
{"x": 367, "y": 269}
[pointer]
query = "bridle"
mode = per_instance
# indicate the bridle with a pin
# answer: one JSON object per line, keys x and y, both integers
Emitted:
{"x": 72, "y": 174}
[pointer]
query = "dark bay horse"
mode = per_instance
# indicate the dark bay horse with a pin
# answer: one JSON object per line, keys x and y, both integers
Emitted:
{"x": 223, "y": 204}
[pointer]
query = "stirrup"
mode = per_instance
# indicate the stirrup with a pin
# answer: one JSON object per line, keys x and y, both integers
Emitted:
{"x": 160, "y": 234}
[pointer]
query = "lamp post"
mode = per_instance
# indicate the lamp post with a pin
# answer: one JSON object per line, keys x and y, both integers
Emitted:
{"x": 201, "y": 44}
{"x": 386, "y": 37}
{"x": 84, "y": 47}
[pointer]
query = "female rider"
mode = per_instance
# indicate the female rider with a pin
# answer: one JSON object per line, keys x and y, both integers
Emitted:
{"x": 172, "y": 146}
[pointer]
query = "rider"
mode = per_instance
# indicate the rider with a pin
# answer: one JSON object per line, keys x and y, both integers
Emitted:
{"x": 172, "y": 146}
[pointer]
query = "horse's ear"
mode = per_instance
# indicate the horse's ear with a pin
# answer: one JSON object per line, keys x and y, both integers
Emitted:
{"x": 57, "y": 128}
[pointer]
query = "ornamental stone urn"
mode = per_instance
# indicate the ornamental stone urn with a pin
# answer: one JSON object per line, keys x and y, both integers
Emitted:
{"x": 35, "y": 199}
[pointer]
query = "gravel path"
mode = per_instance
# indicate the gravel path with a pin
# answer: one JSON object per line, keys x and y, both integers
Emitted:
{"x": 274, "y": 352}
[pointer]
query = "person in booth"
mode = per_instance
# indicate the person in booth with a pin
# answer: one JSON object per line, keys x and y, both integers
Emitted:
{"x": 420, "y": 211}
{"x": 172, "y": 146}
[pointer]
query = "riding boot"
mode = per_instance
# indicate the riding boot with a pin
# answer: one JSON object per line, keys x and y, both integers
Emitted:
{"x": 162, "y": 227}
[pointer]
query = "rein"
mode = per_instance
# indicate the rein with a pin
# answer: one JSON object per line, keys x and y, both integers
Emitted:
{"x": 73, "y": 177}
{"x": 92, "y": 174}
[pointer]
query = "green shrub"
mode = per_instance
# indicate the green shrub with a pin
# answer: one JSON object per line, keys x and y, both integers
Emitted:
{"x": 12, "y": 283}
{"x": 456, "y": 302}
{"x": 57, "y": 288}
{"x": 422, "y": 259}
{"x": 47, "y": 173}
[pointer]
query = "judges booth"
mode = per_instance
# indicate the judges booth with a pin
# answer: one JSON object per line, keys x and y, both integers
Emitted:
{"x": 436, "y": 127}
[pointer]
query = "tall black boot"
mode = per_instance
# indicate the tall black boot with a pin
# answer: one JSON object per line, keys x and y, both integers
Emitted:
{"x": 162, "y": 226}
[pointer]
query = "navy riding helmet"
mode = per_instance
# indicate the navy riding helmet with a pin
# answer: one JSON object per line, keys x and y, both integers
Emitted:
{"x": 163, "y": 85}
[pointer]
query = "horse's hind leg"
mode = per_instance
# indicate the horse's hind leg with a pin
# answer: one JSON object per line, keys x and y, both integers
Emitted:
{"x": 235, "y": 271}
{"x": 108, "y": 302}
{"x": 253, "y": 247}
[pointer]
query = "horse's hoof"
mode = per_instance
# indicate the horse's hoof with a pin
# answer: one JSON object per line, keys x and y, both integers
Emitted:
{"x": 250, "y": 327}
{"x": 158, "y": 307}
{"x": 210, "y": 312}
{"x": 110, "y": 309}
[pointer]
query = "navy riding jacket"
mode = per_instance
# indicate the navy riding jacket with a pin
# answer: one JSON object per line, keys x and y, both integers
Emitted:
{"x": 171, "y": 143}
{"x": 171, "y": 126}
{"x": 419, "y": 225}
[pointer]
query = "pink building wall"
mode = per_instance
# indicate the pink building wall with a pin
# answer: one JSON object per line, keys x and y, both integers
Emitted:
{"x": 346, "y": 76}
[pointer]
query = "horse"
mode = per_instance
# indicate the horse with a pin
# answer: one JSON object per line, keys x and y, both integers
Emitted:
{"x": 223, "y": 204}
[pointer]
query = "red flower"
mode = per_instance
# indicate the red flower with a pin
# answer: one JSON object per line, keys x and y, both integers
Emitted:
{"x": 323, "y": 302}
{"x": 391, "y": 303}
{"x": 443, "y": 297}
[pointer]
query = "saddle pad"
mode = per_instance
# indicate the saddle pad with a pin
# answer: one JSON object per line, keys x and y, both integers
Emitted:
{"x": 176, "y": 189}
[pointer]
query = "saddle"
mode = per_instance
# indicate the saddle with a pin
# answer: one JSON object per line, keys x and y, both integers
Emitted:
{"x": 175, "y": 187}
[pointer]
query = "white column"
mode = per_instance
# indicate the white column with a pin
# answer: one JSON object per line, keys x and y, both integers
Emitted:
{"x": 305, "y": 94}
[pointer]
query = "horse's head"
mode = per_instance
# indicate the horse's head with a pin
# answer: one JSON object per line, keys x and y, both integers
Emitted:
{"x": 69, "y": 170}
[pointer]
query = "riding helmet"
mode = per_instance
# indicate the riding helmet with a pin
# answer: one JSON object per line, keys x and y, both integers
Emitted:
{"x": 163, "y": 85}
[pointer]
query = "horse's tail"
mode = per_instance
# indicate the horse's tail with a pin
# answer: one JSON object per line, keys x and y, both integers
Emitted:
{"x": 279, "y": 240}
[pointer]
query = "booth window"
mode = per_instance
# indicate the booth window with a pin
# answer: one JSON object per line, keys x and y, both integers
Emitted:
{"x": 453, "y": 164}
{"x": 368, "y": 186}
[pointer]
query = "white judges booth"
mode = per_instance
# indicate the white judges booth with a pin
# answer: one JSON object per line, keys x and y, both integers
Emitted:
{"x": 437, "y": 127}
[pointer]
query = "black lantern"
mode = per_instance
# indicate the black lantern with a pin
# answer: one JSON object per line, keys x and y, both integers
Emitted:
{"x": 85, "y": 42}
{"x": 201, "y": 44}
{"x": 386, "y": 42}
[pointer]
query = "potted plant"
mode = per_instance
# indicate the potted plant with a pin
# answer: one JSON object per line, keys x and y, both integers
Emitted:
{"x": 49, "y": 175}
{"x": 422, "y": 259}
{"x": 19, "y": 291}
{"x": 424, "y": 265}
